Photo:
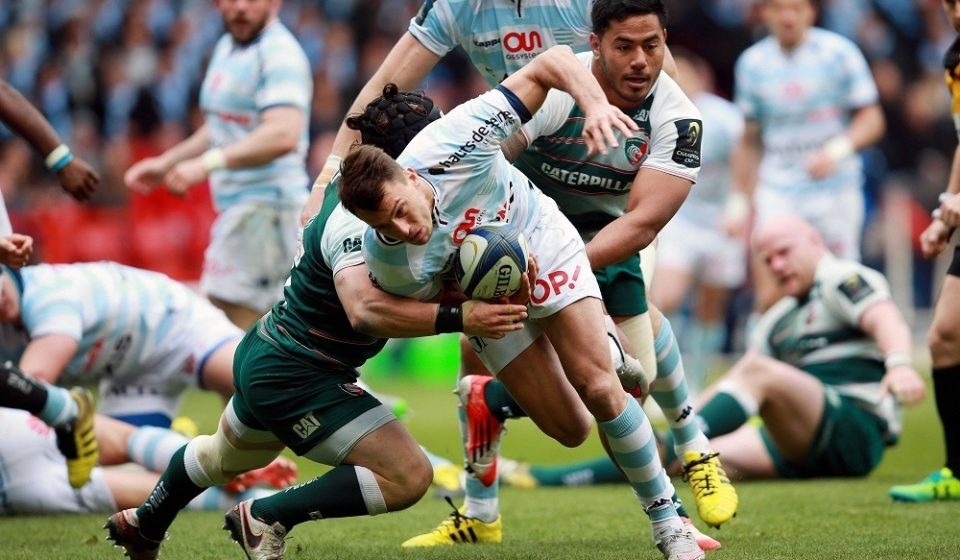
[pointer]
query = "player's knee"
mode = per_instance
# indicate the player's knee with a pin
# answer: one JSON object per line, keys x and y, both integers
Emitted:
{"x": 409, "y": 481}
{"x": 944, "y": 344}
{"x": 204, "y": 455}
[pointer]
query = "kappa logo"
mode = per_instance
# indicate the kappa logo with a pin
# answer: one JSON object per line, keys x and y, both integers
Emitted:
{"x": 306, "y": 425}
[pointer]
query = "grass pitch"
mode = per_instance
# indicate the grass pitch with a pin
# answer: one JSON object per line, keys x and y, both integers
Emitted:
{"x": 827, "y": 519}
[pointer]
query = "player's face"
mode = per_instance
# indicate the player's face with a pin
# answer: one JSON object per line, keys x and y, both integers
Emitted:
{"x": 405, "y": 212}
{"x": 628, "y": 58}
{"x": 952, "y": 9}
{"x": 791, "y": 260}
{"x": 244, "y": 19}
{"x": 789, "y": 20}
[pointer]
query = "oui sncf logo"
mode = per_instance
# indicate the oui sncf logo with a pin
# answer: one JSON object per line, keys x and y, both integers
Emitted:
{"x": 522, "y": 41}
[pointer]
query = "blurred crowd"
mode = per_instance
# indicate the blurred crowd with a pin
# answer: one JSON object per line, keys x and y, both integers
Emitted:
{"x": 119, "y": 80}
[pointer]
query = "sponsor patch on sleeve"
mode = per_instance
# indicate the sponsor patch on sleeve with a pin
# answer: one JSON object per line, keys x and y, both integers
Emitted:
{"x": 855, "y": 288}
{"x": 689, "y": 139}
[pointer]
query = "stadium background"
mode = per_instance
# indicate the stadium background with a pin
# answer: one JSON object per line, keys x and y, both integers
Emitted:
{"x": 119, "y": 81}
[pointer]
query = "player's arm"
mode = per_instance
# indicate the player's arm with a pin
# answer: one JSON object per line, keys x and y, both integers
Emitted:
{"x": 946, "y": 217}
{"x": 148, "y": 173}
{"x": 654, "y": 198}
{"x": 47, "y": 356}
{"x": 867, "y": 126}
{"x": 376, "y": 313}
{"x": 75, "y": 175}
{"x": 277, "y": 134}
{"x": 558, "y": 68}
{"x": 884, "y": 323}
{"x": 744, "y": 168}
{"x": 406, "y": 65}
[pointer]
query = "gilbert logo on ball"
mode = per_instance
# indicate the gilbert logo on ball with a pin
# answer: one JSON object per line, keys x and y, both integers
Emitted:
{"x": 491, "y": 261}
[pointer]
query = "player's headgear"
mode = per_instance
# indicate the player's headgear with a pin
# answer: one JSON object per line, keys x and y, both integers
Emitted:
{"x": 392, "y": 120}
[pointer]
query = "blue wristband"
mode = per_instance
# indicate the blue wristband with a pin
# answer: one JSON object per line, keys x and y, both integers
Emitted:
{"x": 62, "y": 162}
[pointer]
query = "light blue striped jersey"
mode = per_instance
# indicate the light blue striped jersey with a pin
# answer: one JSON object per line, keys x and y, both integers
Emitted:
{"x": 119, "y": 315}
{"x": 241, "y": 82}
{"x": 801, "y": 99}
{"x": 501, "y": 36}
{"x": 592, "y": 190}
{"x": 459, "y": 156}
{"x": 722, "y": 129}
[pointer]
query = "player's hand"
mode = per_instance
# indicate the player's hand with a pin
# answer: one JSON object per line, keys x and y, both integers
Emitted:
{"x": 820, "y": 165}
{"x": 15, "y": 249}
{"x": 904, "y": 384}
{"x": 78, "y": 179}
{"x": 949, "y": 211}
{"x": 935, "y": 238}
{"x": 145, "y": 175}
{"x": 522, "y": 297}
{"x": 599, "y": 125}
{"x": 184, "y": 175}
{"x": 492, "y": 320}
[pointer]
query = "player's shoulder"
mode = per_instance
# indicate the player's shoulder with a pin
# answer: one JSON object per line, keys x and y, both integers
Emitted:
{"x": 670, "y": 103}
{"x": 278, "y": 41}
{"x": 848, "y": 276}
{"x": 831, "y": 40}
{"x": 758, "y": 53}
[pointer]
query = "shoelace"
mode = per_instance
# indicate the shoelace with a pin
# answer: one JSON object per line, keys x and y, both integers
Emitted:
{"x": 704, "y": 484}
{"x": 458, "y": 517}
{"x": 277, "y": 545}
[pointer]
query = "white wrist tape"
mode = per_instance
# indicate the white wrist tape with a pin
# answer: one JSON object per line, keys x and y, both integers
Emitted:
{"x": 58, "y": 157}
{"x": 213, "y": 159}
{"x": 897, "y": 359}
{"x": 839, "y": 148}
{"x": 737, "y": 207}
{"x": 330, "y": 169}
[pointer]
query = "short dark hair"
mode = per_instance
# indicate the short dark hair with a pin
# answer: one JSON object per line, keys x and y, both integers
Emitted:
{"x": 362, "y": 175}
{"x": 605, "y": 11}
{"x": 390, "y": 121}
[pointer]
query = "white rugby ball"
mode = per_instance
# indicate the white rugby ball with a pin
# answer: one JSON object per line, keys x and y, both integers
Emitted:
{"x": 491, "y": 261}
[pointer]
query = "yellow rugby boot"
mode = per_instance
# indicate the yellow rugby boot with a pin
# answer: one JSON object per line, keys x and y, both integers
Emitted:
{"x": 77, "y": 440}
{"x": 459, "y": 529}
{"x": 716, "y": 497}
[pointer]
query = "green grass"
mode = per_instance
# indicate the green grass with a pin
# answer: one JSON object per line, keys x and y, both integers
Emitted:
{"x": 842, "y": 519}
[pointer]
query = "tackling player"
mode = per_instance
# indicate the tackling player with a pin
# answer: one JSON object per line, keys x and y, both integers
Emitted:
{"x": 295, "y": 375}
{"x": 457, "y": 179}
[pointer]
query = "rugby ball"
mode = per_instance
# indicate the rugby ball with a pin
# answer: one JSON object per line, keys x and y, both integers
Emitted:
{"x": 491, "y": 261}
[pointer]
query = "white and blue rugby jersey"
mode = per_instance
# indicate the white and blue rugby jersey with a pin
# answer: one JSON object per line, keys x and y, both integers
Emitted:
{"x": 119, "y": 315}
{"x": 501, "y": 36}
{"x": 592, "y": 190}
{"x": 473, "y": 184}
{"x": 722, "y": 129}
{"x": 241, "y": 82}
{"x": 801, "y": 99}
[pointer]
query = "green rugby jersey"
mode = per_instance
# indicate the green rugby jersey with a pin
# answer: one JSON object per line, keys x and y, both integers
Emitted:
{"x": 310, "y": 323}
{"x": 592, "y": 191}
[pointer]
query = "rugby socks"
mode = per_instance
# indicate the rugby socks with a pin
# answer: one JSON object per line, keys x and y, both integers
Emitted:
{"x": 601, "y": 470}
{"x": 500, "y": 403}
{"x": 481, "y": 502}
{"x": 344, "y": 491}
{"x": 670, "y": 391}
{"x": 946, "y": 389}
{"x": 634, "y": 448}
{"x": 171, "y": 494}
{"x": 729, "y": 409}
{"x": 153, "y": 447}
{"x": 50, "y": 403}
